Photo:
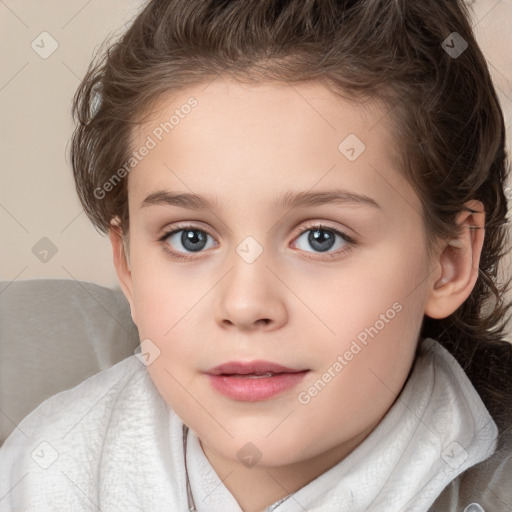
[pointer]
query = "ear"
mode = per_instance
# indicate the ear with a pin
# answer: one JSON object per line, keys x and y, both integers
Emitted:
{"x": 457, "y": 264}
{"x": 121, "y": 265}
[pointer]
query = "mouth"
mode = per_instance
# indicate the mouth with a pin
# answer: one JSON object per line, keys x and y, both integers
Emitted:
{"x": 252, "y": 368}
{"x": 253, "y": 381}
{"x": 251, "y": 375}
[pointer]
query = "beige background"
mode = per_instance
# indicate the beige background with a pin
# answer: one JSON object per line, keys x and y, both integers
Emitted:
{"x": 37, "y": 194}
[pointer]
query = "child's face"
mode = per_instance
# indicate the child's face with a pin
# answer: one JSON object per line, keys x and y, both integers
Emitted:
{"x": 258, "y": 289}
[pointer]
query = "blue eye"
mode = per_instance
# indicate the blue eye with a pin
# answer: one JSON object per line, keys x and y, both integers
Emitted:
{"x": 323, "y": 238}
{"x": 194, "y": 240}
{"x": 191, "y": 239}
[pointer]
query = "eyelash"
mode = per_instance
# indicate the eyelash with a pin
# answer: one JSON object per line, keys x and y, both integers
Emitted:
{"x": 351, "y": 242}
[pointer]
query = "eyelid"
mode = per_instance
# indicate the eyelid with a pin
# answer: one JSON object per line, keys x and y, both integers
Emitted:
{"x": 167, "y": 231}
{"x": 324, "y": 225}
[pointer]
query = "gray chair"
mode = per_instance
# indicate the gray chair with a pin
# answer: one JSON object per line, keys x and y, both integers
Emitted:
{"x": 55, "y": 333}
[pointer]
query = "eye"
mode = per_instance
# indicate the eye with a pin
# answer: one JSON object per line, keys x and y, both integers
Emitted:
{"x": 193, "y": 239}
{"x": 323, "y": 238}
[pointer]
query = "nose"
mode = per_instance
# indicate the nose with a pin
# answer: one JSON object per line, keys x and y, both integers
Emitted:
{"x": 251, "y": 296}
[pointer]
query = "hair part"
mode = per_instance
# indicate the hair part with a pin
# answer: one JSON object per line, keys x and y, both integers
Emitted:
{"x": 444, "y": 110}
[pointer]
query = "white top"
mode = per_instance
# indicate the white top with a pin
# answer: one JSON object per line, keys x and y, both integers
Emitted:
{"x": 113, "y": 444}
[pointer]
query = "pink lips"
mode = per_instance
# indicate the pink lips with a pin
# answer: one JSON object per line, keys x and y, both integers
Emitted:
{"x": 243, "y": 368}
{"x": 247, "y": 381}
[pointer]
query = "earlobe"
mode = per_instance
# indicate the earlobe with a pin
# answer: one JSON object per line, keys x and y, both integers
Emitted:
{"x": 121, "y": 265}
{"x": 457, "y": 264}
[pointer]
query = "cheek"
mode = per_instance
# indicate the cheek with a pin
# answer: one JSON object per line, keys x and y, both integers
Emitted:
{"x": 359, "y": 376}
{"x": 164, "y": 291}
{"x": 373, "y": 282}
{"x": 375, "y": 313}
{"x": 167, "y": 310}
{"x": 168, "y": 321}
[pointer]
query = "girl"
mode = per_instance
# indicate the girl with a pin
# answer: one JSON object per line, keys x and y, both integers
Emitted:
{"x": 335, "y": 342}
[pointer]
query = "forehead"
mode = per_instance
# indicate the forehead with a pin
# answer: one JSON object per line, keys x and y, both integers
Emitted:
{"x": 266, "y": 135}
{"x": 266, "y": 108}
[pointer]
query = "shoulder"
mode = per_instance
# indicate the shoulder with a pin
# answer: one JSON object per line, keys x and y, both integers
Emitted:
{"x": 94, "y": 396}
{"x": 486, "y": 484}
{"x": 490, "y": 481}
{"x": 63, "y": 438}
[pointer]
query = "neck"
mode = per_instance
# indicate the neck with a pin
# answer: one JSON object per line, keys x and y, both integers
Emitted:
{"x": 258, "y": 487}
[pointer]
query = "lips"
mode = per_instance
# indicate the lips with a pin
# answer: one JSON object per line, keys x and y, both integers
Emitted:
{"x": 254, "y": 368}
{"x": 251, "y": 381}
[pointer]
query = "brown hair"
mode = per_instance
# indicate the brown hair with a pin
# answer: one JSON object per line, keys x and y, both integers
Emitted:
{"x": 443, "y": 105}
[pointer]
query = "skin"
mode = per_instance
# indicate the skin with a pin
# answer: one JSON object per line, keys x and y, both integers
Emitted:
{"x": 246, "y": 145}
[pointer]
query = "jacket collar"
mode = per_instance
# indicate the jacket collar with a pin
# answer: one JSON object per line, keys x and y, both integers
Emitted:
{"x": 437, "y": 428}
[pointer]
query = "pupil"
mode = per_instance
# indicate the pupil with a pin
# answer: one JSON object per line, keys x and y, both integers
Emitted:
{"x": 321, "y": 239}
{"x": 190, "y": 238}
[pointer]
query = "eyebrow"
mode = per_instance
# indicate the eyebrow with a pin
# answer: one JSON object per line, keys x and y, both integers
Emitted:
{"x": 289, "y": 200}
